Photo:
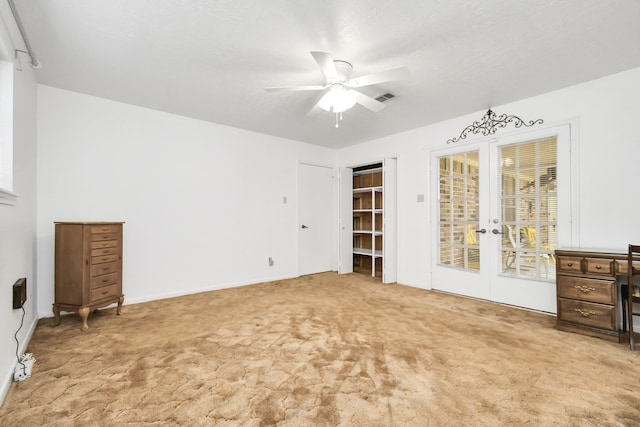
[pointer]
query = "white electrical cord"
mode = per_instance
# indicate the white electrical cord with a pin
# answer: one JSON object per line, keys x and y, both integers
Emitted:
{"x": 25, "y": 365}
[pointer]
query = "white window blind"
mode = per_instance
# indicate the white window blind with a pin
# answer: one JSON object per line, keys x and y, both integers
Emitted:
{"x": 529, "y": 208}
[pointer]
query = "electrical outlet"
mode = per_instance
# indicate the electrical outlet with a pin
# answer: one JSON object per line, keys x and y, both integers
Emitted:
{"x": 19, "y": 293}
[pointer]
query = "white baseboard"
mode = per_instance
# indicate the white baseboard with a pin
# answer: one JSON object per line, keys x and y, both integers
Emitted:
{"x": 139, "y": 300}
{"x": 8, "y": 377}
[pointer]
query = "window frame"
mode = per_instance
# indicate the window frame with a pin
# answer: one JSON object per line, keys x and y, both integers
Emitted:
{"x": 7, "y": 196}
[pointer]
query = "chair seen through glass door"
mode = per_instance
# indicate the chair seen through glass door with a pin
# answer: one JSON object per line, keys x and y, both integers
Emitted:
{"x": 529, "y": 208}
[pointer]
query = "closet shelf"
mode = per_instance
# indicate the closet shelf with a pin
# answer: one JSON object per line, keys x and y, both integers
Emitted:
{"x": 367, "y": 190}
{"x": 368, "y": 252}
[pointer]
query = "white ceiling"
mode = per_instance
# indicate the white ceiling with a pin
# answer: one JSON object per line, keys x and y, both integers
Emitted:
{"x": 211, "y": 60}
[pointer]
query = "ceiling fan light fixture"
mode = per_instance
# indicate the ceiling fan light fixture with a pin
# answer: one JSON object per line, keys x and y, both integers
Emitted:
{"x": 341, "y": 95}
{"x": 337, "y": 100}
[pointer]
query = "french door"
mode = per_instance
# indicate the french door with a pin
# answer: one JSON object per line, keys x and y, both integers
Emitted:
{"x": 503, "y": 207}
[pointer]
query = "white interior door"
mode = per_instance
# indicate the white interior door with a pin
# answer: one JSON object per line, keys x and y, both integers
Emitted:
{"x": 503, "y": 207}
{"x": 390, "y": 231}
{"x": 460, "y": 263}
{"x": 315, "y": 213}
{"x": 531, "y": 207}
{"x": 345, "y": 264}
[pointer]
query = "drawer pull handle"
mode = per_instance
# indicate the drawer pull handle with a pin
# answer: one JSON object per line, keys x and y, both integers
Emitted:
{"x": 569, "y": 264}
{"x": 105, "y": 292}
{"x": 584, "y": 289}
{"x": 584, "y": 313}
{"x": 598, "y": 267}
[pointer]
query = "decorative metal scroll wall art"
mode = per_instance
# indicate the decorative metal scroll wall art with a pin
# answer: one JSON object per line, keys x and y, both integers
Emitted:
{"x": 491, "y": 122}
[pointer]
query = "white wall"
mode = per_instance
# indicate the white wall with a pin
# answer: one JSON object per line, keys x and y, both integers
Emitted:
{"x": 17, "y": 227}
{"x": 606, "y": 111}
{"x": 202, "y": 202}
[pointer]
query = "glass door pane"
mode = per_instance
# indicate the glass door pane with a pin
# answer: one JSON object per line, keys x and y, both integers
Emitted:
{"x": 529, "y": 208}
{"x": 459, "y": 205}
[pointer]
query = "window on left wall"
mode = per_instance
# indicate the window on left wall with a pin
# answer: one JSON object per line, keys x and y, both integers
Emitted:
{"x": 7, "y": 196}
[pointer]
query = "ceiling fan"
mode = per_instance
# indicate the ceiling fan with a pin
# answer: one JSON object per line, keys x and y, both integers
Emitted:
{"x": 341, "y": 94}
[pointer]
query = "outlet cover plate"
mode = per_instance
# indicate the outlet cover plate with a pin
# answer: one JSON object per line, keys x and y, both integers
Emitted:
{"x": 19, "y": 293}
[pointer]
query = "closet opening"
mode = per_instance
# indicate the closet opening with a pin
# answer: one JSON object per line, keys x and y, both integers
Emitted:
{"x": 368, "y": 231}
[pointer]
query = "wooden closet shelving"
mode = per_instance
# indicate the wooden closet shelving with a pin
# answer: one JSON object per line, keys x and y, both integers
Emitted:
{"x": 368, "y": 234}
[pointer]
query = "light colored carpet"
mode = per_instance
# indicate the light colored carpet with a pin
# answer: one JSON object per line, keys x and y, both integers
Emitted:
{"x": 323, "y": 350}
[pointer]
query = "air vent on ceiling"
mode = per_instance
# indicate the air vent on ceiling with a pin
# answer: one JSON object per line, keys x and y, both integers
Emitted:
{"x": 385, "y": 97}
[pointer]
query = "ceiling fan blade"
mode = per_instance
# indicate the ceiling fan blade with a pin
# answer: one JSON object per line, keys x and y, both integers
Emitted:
{"x": 315, "y": 109}
{"x": 367, "y": 102}
{"x": 384, "y": 76}
{"x": 293, "y": 88}
{"x": 325, "y": 61}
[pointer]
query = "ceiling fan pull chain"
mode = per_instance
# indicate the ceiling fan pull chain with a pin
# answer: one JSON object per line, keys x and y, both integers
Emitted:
{"x": 337, "y": 124}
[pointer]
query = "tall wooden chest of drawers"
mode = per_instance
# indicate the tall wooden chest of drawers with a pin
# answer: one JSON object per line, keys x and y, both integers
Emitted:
{"x": 88, "y": 267}
{"x": 587, "y": 292}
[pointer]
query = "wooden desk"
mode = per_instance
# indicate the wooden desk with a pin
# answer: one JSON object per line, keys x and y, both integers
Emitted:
{"x": 588, "y": 292}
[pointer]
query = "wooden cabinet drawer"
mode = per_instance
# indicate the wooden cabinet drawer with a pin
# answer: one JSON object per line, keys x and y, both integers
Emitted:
{"x": 105, "y": 228}
{"x": 569, "y": 264}
{"x": 599, "y": 266}
{"x": 580, "y": 288}
{"x": 104, "y": 244}
{"x": 104, "y": 280}
{"x": 106, "y": 268}
{"x": 104, "y": 251}
{"x": 104, "y": 292}
{"x": 587, "y": 313}
{"x": 104, "y": 236}
{"x": 104, "y": 258}
{"x": 622, "y": 267}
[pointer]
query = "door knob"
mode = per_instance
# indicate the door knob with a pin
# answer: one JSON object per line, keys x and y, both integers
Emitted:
{"x": 495, "y": 231}
{"x": 304, "y": 226}
{"x": 481, "y": 231}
